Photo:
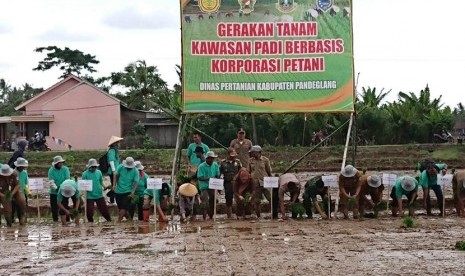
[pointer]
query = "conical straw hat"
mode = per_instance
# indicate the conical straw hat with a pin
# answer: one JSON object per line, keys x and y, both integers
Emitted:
{"x": 188, "y": 189}
{"x": 114, "y": 139}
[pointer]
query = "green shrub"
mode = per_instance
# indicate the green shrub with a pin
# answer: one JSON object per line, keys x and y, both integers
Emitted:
{"x": 149, "y": 143}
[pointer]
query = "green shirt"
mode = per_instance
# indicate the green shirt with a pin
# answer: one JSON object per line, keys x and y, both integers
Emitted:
{"x": 427, "y": 182}
{"x": 60, "y": 196}
{"x": 205, "y": 170}
{"x": 126, "y": 179}
{"x": 400, "y": 191}
{"x": 193, "y": 159}
{"x": 149, "y": 192}
{"x": 23, "y": 180}
{"x": 112, "y": 156}
{"x": 142, "y": 185}
{"x": 97, "y": 180}
{"x": 58, "y": 176}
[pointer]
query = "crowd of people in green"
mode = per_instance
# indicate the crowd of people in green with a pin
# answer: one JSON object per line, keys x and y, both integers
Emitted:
{"x": 243, "y": 172}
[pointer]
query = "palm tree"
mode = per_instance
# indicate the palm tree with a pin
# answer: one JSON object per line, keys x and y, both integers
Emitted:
{"x": 144, "y": 84}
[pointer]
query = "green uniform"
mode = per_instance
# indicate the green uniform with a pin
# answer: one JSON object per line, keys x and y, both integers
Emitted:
{"x": 149, "y": 192}
{"x": 400, "y": 191}
{"x": 205, "y": 170}
{"x": 126, "y": 178}
{"x": 60, "y": 196}
{"x": 97, "y": 180}
{"x": 58, "y": 176}
{"x": 112, "y": 156}
{"x": 23, "y": 179}
{"x": 193, "y": 159}
{"x": 142, "y": 185}
{"x": 427, "y": 182}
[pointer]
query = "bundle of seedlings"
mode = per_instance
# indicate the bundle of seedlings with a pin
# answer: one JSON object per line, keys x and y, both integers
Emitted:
{"x": 74, "y": 213}
{"x": 298, "y": 210}
{"x": 246, "y": 198}
{"x": 460, "y": 245}
{"x": 134, "y": 199}
{"x": 352, "y": 202}
{"x": 408, "y": 222}
{"x": 382, "y": 205}
{"x": 7, "y": 197}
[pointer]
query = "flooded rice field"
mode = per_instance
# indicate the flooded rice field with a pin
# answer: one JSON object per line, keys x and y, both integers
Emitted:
{"x": 231, "y": 247}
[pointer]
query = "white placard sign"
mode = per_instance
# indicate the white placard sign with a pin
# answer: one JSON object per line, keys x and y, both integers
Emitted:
{"x": 36, "y": 183}
{"x": 216, "y": 184}
{"x": 445, "y": 180}
{"x": 389, "y": 179}
{"x": 154, "y": 183}
{"x": 85, "y": 185}
{"x": 329, "y": 180}
{"x": 270, "y": 182}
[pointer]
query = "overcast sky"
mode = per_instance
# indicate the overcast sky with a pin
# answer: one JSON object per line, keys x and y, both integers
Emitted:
{"x": 399, "y": 44}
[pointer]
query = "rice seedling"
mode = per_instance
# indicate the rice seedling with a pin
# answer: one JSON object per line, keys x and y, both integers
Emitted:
{"x": 460, "y": 245}
{"x": 408, "y": 222}
{"x": 298, "y": 210}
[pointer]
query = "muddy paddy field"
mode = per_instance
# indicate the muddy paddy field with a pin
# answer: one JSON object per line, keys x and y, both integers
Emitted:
{"x": 246, "y": 247}
{"x": 230, "y": 247}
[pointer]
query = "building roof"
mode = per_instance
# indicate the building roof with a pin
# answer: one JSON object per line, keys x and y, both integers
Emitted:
{"x": 69, "y": 77}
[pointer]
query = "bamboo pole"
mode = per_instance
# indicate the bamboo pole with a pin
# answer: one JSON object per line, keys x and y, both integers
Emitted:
{"x": 344, "y": 159}
{"x": 177, "y": 157}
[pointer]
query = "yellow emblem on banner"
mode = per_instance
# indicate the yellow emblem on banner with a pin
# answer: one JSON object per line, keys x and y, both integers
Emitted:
{"x": 209, "y": 6}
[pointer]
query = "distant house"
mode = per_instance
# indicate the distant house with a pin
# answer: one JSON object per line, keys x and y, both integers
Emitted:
{"x": 76, "y": 113}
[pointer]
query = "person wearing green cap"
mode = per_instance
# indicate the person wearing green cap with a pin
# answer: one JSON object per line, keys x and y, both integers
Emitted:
{"x": 57, "y": 174}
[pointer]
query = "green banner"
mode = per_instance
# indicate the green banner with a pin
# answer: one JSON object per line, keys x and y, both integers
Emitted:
{"x": 267, "y": 56}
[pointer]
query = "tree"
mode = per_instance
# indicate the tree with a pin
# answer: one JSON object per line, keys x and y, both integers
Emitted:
{"x": 69, "y": 61}
{"x": 144, "y": 84}
{"x": 10, "y": 97}
{"x": 369, "y": 98}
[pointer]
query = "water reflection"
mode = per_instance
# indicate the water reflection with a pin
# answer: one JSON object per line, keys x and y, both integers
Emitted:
{"x": 40, "y": 237}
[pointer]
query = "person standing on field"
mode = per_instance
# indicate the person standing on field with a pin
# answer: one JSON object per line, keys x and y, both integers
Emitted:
{"x": 242, "y": 147}
{"x": 127, "y": 179}
{"x": 96, "y": 195}
{"x": 113, "y": 161}
{"x": 192, "y": 158}
{"x": 208, "y": 169}
{"x": 229, "y": 167}
{"x": 259, "y": 167}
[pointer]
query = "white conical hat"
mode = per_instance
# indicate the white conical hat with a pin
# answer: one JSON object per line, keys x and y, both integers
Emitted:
{"x": 114, "y": 139}
{"x": 188, "y": 189}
